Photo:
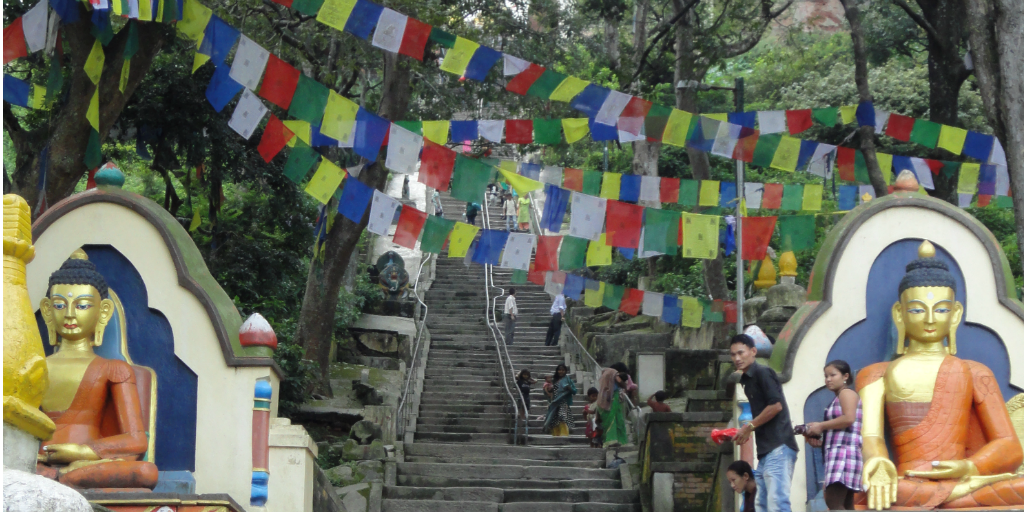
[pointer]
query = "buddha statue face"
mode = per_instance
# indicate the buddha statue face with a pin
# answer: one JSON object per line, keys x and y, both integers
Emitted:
{"x": 927, "y": 311}
{"x": 78, "y": 310}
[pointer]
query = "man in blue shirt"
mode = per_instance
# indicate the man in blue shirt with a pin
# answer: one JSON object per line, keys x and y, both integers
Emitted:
{"x": 557, "y": 317}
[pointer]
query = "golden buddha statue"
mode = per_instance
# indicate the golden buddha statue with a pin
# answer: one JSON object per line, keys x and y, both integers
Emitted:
{"x": 94, "y": 402}
{"x": 955, "y": 444}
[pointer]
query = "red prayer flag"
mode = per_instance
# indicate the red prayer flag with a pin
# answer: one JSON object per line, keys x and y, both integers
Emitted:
{"x": 572, "y": 179}
{"x": 729, "y": 306}
{"x": 984, "y": 200}
{"x": 637, "y": 107}
{"x": 519, "y": 131}
{"x": 547, "y": 253}
{"x": 279, "y": 82}
{"x": 772, "y": 198}
{"x": 845, "y": 160}
{"x": 410, "y": 223}
{"x": 436, "y": 165}
{"x": 286, "y": 3}
{"x": 622, "y": 224}
{"x": 670, "y": 190}
{"x": 275, "y": 136}
{"x": 14, "y": 41}
{"x": 414, "y": 39}
{"x": 798, "y": 120}
{"x": 679, "y": 237}
{"x": 631, "y": 301}
{"x": 757, "y": 232}
{"x": 744, "y": 149}
{"x": 934, "y": 165}
{"x": 522, "y": 82}
{"x": 535, "y": 276}
{"x": 91, "y": 182}
{"x": 899, "y": 127}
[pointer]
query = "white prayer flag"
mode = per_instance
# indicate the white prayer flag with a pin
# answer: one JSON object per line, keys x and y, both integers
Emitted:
{"x": 923, "y": 173}
{"x": 653, "y": 303}
{"x": 771, "y": 121}
{"x": 33, "y": 23}
{"x": 550, "y": 286}
{"x": 998, "y": 156}
{"x": 52, "y": 28}
{"x": 612, "y": 107}
{"x": 964, "y": 200}
{"x": 351, "y": 140}
{"x": 650, "y": 189}
{"x": 403, "y": 150}
{"x": 587, "y": 220}
{"x": 752, "y": 193}
{"x": 518, "y": 251}
{"x": 354, "y": 170}
{"x": 625, "y": 136}
{"x": 248, "y": 114}
{"x": 725, "y": 140}
{"x": 821, "y": 163}
{"x": 551, "y": 174}
{"x": 250, "y": 60}
{"x": 881, "y": 117}
{"x": 390, "y": 29}
{"x": 1002, "y": 180}
{"x": 133, "y": 10}
{"x": 491, "y": 130}
{"x": 382, "y": 213}
{"x": 514, "y": 65}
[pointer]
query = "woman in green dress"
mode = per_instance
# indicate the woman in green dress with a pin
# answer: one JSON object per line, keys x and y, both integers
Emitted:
{"x": 611, "y": 405}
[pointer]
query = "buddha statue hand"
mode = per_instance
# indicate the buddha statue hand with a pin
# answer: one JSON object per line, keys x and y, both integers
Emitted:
{"x": 947, "y": 470}
{"x": 66, "y": 453}
{"x": 880, "y": 481}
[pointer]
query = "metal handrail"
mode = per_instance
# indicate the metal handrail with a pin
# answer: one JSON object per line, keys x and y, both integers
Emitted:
{"x": 402, "y": 412}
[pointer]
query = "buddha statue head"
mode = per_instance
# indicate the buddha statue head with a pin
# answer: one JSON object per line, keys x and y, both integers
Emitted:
{"x": 77, "y": 305}
{"x": 927, "y": 311}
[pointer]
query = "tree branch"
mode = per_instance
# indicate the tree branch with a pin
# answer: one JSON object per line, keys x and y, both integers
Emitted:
{"x": 15, "y": 130}
{"x": 661, "y": 31}
{"x": 923, "y": 23}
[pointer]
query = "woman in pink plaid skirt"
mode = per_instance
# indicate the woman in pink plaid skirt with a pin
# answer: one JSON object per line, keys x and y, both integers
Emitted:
{"x": 842, "y": 443}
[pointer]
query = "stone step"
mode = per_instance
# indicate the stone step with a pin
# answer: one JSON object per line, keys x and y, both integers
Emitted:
{"x": 448, "y": 494}
{"x": 495, "y": 428}
{"x": 474, "y": 460}
{"x": 570, "y": 507}
{"x": 503, "y": 439}
{"x": 445, "y": 481}
{"x": 478, "y": 471}
{"x": 400, "y": 505}
{"x": 512, "y": 452}
{"x": 571, "y": 496}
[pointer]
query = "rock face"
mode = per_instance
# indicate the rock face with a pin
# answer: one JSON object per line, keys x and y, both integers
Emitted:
{"x": 366, "y": 393}
{"x": 365, "y": 431}
{"x": 26, "y": 492}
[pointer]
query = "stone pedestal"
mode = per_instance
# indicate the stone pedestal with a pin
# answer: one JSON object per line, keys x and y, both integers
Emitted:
{"x": 20, "y": 449}
{"x": 293, "y": 455}
{"x": 28, "y": 492}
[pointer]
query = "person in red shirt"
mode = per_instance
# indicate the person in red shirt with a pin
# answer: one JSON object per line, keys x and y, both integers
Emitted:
{"x": 657, "y": 402}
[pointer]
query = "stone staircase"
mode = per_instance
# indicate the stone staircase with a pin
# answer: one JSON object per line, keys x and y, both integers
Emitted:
{"x": 462, "y": 457}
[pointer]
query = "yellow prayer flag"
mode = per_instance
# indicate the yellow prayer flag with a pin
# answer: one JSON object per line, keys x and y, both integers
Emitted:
{"x": 594, "y": 298}
{"x": 848, "y": 113}
{"x": 460, "y": 239}
{"x": 507, "y": 166}
{"x": 568, "y": 89}
{"x": 599, "y": 253}
{"x": 812, "y": 196}
{"x": 196, "y": 219}
{"x": 339, "y": 117}
{"x": 787, "y": 154}
{"x": 38, "y": 97}
{"x": 885, "y": 165}
{"x": 302, "y": 131}
{"x": 521, "y": 184}
{"x": 693, "y": 313}
{"x": 457, "y": 58}
{"x": 677, "y": 127}
{"x": 145, "y": 10}
{"x": 610, "y": 185}
{"x": 968, "y": 183}
{"x": 717, "y": 117}
{"x": 193, "y": 20}
{"x": 575, "y": 128}
{"x": 92, "y": 114}
{"x": 335, "y": 13}
{"x": 126, "y": 67}
{"x": 94, "y": 62}
{"x": 952, "y": 139}
{"x": 709, "y": 193}
{"x": 436, "y": 131}
{"x": 325, "y": 181}
{"x": 700, "y": 236}
{"x": 200, "y": 59}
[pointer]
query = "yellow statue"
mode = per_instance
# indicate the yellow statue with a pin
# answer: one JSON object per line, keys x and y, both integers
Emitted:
{"x": 955, "y": 444}
{"x": 25, "y": 377}
{"x": 101, "y": 432}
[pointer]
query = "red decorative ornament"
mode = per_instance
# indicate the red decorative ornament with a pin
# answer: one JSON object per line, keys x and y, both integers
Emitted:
{"x": 257, "y": 332}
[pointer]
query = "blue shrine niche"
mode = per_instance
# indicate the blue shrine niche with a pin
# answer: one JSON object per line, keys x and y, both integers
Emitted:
{"x": 873, "y": 339}
{"x": 150, "y": 343}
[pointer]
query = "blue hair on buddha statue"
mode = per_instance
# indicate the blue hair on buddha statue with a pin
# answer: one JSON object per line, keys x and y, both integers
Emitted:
{"x": 927, "y": 271}
{"x": 79, "y": 271}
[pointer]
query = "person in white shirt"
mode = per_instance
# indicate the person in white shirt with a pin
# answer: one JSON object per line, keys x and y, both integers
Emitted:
{"x": 511, "y": 212}
{"x": 510, "y": 314}
{"x": 557, "y": 317}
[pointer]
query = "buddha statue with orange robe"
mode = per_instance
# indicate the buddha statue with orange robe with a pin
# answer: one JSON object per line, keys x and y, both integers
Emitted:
{"x": 954, "y": 443}
{"x": 100, "y": 433}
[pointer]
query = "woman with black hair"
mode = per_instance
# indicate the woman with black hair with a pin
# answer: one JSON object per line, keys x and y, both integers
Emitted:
{"x": 559, "y": 420}
{"x": 741, "y": 479}
{"x": 841, "y": 428}
{"x": 611, "y": 412}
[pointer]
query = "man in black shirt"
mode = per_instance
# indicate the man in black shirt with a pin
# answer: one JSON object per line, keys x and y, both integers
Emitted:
{"x": 776, "y": 444}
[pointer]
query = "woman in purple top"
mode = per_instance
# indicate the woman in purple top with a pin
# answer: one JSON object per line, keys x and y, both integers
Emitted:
{"x": 842, "y": 443}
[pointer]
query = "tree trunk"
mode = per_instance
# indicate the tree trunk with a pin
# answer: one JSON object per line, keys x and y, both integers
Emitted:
{"x": 611, "y": 41}
{"x": 316, "y": 320}
{"x": 67, "y": 135}
{"x": 645, "y": 154}
{"x": 867, "y": 133}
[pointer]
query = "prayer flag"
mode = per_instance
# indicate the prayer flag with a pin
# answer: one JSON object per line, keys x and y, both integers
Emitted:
{"x": 700, "y": 236}
{"x": 786, "y": 154}
{"x": 602, "y": 132}
{"x": 442, "y": 38}
{"x": 309, "y": 7}
{"x": 309, "y": 101}
{"x": 590, "y": 100}
{"x": 492, "y": 130}
{"x": 629, "y": 188}
{"x": 709, "y": 192}
{"x": 623, "y": 224}
{"x": 518, "y": 131}
{"x": 333, "y": 13}
{"x": 727, "y": 197}
{"x": 248, "y": 114}
{"x": 746, "y": 145}
{"x": 435, "y": 233}
{"x": 599, "y": 253}
{"x": 575, "y": 128}
{"x": 300, "y": 160}
{"x": 952, "y": 139}
{"x": 461, "y": 238}
{"x": 865, "y": 114}
{"x": 93, "y": 63}
{"x": 798, "y": 120}
{"x": 592, "y": 182}
{"x": 218, "y": 39}
{"x": 826, "y": 116}
{"x": 978, "y": 145}
{"x": 250, "y": 61}
{"x": 572, "y": 179}
{"x": 692, "y": 314}
{"x": 470, "y": 179}
{"x": 302, "y": 131}
{"x": 812, "y": 196}
{"x": 925, "y": 133}
{"x": 554, "y": 208}
{"x": 689, "y": 192}
{"x": 325, "y": 181}
{"x": 661, "y": 231}
{"x": 574, "y": 286}
{"x": 655, "y": 122}
{"x": 764, "y": 150}
{"x": 793, "y": 197}
{"x": 403, "y": 150}
{"x": 414, "y": 40}
{"x": 796, "y": 232}
{"x": 33, "y": 26}
{"x": 677, "y": 128}
{"x": 523, "y": 80}
{"x": 612, "y": 107}
{"x": 14, "y": 42}
{"x": 771, "y": 121}
{"x": 568, "y": 89}
{"x": 382, "y": 213}
{"x": 545, "y": 84}
{"x": 281, "y": 81}
{"x": 436, "y": 166}
{"x": 463, "y": 131}
{"x": 847, "y": 197}
{"x": 92, "y": 114}
{"x": 702, "y": 138}
{"x": 436, "y": 131}
{"x": 653, "y": 304}
{"x": 355, "y": 199}
{"x": 846, "y": 162}
{"x": 410, "y": 224}
{"x": 390, "y": 29}
{"x": 669, "y": 190}
{"x": 518, "y": 250}
{"x": 631, "y": 301}
{"x": 726, "y": 139}
{"x": 593, "y": 293}
{"x": 987, "y": 180}
{"x": 807, "y": 149}
{"x": 964, "y": 200}
{"x": 744, "y": 119}
{"x": 457, "y": 58}
{"x": 671, "y": 313}
{"x": 547, "y": 131}
{"x": 547, "y": 253}
{"x": 370, "y": 132}
{"x": 752, "y": 195}
{"x": 613, "y": 296}
{"x": 521, "y": 184}
{"x": 900, "y": 127}
{"x": 573, "y": 253}
{"x": 551, "y": 174}
{"x": 481, "y": 63}
{"x": 610, "y": 185}
{"x": 757, "y": 233}
{"x": 514, "y": 65}
{"x": 588, "y": 215}
{"x": 222, "y": 89}
{"x": 339, "y": 119}
{"x": 650, "y": 189}
{"x": 772, "y": 196}
{"x": 923, "y": 173}
{"x": 531, "y": 171}
{"x": 821, "y": 163}
{"x": 93, "y": 152}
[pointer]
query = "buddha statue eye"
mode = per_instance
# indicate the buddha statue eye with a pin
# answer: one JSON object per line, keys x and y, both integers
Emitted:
{"x": 83, "y": 306}
{"x": 58, "y": 305}
{"x": 915, "y": 311}
{"x": 942, "y": 310}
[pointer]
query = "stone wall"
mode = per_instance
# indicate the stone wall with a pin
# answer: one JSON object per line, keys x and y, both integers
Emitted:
{"x": 679, "y": 461}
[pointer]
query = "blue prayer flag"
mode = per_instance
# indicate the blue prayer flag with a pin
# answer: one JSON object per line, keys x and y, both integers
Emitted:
{"x": 847, "y": 197}
{"x": 370, "y": 132}
{"x": 901, "y": 163}
{"x": 481, "y": 63}
{"x": 222, "y": 88}
{"x": 698, "y": 140}
{"x": 590, "y": 100}
{"x": 599, "y": 132}
{"x": 554, "y": 208}
{"x": 488, "y": 251}
{"x": 531, "y": 171}
{"x": 318, "y": 139}
{"x": 16, "y": 91}
{"x": 866, "y": 114}
{"x": 363, "y": 19}
{"x": 67, "y": 10}
{"x": 978, "y": 145}
{"x": 626, "y": 253}
{"x": 727, "y": 195}
{"x": 629, "y": 188}
{"x": 464, "y": 131}
{"x": 671, "y": 313}
{"x": 807, "y": 149}
{"x": 573, "y": 286}
{"x": 355, "y": 199}
{"x": 218, "y": 40}
{"x": 744, "y": 119}
{"x": 987, "y": 180}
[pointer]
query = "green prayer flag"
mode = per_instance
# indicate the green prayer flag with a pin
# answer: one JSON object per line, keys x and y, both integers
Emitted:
{"x": 470, "y": 179}
{"x": 54, "y": 81}
{"x": 764, "y": 152}
{"x": 661, "y": 231}
{"x": 301, "y": 159}
{"x": 93, "y": 152}
{"x": 825, "y": 116}
{"x": 925, "y": 133}
{"x": 413, "y": 126}
{"x": 546, "y": 84}
{"x": 547, "y": 131}
{"x": 103, "y": 32}
{"x": 1004, "y": 202}
{"x": 613, "y": 296}
{"x": 131, "y": 46}
{"x": 708, "y": 314}
{"x": 573, "y": 253}
{"x": 592, "y": 183}
{"x": 309, "y": 101}
{"x": 793, "y": 197}
{"x": 689, "y": 192}
{"x": 170, "y": 11}
{"x": 796, "y": 232}
{"x": 657, "y": 118}
{"x": 519, "y": 276}
{"x": 308, "y": 7}
{"x": 949, "y": 169}
{"x": 435, "y": 233}
{"x": 442, "y": 38}
{"x": 860, "y": 168}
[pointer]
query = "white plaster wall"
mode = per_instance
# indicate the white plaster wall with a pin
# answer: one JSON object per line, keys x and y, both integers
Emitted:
{"x": 225, "y": 394}
{"x": 848, "y": 308}
{"x": 650, "y": 373}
